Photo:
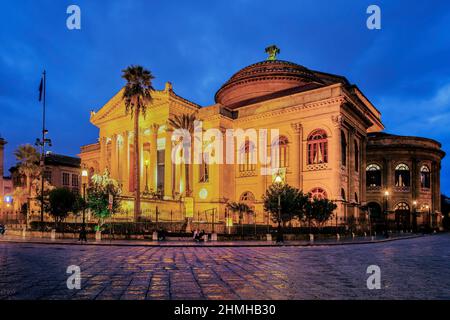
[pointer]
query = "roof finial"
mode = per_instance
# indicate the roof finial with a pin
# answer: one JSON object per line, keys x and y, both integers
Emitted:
{"x": 272, "y": 50}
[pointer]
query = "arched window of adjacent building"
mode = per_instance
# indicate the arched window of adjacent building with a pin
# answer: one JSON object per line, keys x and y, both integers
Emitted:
{"x": 343, "y": 194}
{"x": 318, "y": 193}
{"x": 317, "y": 147}
{"x": 425, "y": 182}
{"x": 343, "y": 148}
{"x": 373, "y": 175}
{"x": 247, "y": 155}
{"x": 402, "y": 176}
{"x": 356, "y": 156}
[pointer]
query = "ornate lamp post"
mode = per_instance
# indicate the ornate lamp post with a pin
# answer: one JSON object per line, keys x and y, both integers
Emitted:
{"x": 414, "y": 217}
{"x": 278, "y": 180}
{"x": 84, "y": 176}
{"x": 386, "y": 220}
{"x": 146, "y": 162}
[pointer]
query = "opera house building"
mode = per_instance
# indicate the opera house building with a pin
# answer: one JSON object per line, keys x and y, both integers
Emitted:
{"x": 331, "y": 143}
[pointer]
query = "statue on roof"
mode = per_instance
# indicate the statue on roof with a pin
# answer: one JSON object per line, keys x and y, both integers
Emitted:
{"x": 272, "y": 51}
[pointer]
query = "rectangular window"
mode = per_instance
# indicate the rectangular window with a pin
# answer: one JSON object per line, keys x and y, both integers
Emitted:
{"x": 74, "y": 180}
{"x": 66, "y": 179}
{"x": 48, "y": 176}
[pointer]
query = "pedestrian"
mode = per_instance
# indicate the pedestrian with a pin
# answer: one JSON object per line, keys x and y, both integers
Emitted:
{"x": 2, "y": 229}
{"x": 195, "y": 235}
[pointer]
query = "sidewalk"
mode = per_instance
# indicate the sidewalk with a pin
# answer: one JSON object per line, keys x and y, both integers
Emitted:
{"x": 174, "y": 243}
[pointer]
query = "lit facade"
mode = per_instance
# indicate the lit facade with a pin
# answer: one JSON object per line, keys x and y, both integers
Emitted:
{"x": 325, "y": 125}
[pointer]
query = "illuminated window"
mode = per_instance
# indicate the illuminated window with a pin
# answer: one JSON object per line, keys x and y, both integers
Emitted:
{"x": 247, "y": 157}
{"x": 318, "y": 193}
{"x": 283, "y": 152}
{"x": 425, "y": 182}
{"x": 317, "y": 147}
{"x": 402, "y": 206}
{"x": 373, "y": 175}
{"x": 402, "y": 176}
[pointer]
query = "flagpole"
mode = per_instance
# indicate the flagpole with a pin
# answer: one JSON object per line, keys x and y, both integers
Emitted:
{"x": 43, "y": 152}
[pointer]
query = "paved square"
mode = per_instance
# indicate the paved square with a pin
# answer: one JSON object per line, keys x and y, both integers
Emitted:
{"x": 410, "y": 269}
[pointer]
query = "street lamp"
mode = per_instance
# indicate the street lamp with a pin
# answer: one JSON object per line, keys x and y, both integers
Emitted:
{"x": 84, "y": 176}
{"x": 386, "y": 195}
{"x": 146, "y": 162}
{"x": 414, "y": 222}
{"x": 429, "y": 215}
{"x": 278, "y": 180}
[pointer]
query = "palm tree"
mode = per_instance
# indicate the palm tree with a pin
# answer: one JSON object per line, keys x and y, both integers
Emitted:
{"x": 137, "y": 95}
{"x": 185, "y": 122}
{"x": 242, "y": 208}
{"x": 28, "y": 166}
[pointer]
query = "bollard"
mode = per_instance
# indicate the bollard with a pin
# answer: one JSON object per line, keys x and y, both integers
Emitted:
{"x": 365, "y": 234}
{"x": 155, "y": 236}
{"x": 98, "y": 235}
{"x": 53, "y": 234}
{"x": 311, "y": 237}
{"x": 24, "y": 232}
{"x": 269, "y": 237}
{"x": 338, "y": 237}
{"x": 353, "y": 235}
{"x": 213, "y": 236}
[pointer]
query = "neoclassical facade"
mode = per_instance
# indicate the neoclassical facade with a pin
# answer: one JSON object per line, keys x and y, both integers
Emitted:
{"x": 328, "y": 134}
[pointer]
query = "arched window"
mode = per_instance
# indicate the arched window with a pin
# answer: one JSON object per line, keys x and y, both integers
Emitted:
{"x": 356, "y": 197}
{"x": 373, "y": 175}
{"x": 402, "y": 176}
{"x": 247, "y": 196}
{"x": 425, "y": 182}
{"x": 343, "y": 148}
{"x": 247, "y": 160}
{"x": 402, "y": 206}
{"x": 283, "y": 151}
{"x": 356, "y": 156}
{"x": 318, "y": 193}
{"x": 317, "y": 147}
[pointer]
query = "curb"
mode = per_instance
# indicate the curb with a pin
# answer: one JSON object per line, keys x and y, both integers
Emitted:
{"x": 209, "y": 245}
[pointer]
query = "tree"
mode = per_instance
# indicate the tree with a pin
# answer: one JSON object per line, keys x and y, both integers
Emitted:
{"x": 185, "y": 122}
{"x": 137, "y": 95}
{"x": 62, "y": 201}
{"x": 101, "y": 189}
{"x": 36, "y": 186}
{"x": 292, "y": 202}
{"x": 241, "y": 208}
{"x": 319, "y": 211}
{"x": 28, "y": 166}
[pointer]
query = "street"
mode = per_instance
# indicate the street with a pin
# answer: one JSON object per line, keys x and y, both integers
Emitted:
{"x": 410, "y": 269}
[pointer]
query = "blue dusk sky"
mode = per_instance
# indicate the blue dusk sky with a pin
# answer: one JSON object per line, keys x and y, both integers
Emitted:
{"x": 404, "y": 68}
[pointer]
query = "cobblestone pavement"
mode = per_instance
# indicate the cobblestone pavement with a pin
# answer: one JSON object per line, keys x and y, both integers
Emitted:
{"x": 410, "y": 269}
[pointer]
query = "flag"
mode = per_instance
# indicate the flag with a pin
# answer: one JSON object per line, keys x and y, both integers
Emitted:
{"x": 41, "y": 86}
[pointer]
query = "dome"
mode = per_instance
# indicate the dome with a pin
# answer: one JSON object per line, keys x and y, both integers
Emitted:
{"x": 263, "y": 79}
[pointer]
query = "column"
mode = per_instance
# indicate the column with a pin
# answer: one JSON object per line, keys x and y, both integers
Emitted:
{"x": 363, "y": 151}
{"x": 351, "y": 164}
{"x": 102, "y": 142}
{"x": 152, "y": 174}
{"x": 114, "y": 172}
{"x": 168, "y": 188}
{"x": 125, "y": 161}
{"x": 298, "y": 151}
